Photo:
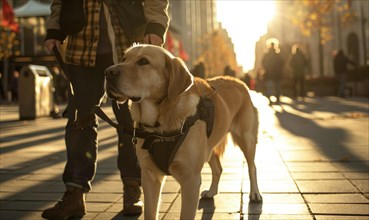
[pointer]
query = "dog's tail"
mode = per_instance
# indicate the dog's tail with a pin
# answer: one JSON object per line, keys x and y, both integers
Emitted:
{"x": 220, "y": 148}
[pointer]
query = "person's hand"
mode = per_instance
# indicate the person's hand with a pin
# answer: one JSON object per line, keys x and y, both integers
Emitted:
{"x": 153, "y": 39}
{"x": 51, "y": 43}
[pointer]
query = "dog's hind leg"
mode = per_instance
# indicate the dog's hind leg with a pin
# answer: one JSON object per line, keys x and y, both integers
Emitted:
{"x": 151, "y": 185}
{"x": 216, "y": 171}
{"x": 248, "y": 146}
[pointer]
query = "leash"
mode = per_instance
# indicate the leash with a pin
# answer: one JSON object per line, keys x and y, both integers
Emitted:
{"x": 101, "y": 114}
{"x": 97, "y": 110}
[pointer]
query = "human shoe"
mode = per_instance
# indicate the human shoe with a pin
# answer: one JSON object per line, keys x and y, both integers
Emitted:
{"x": 72, "y": 205}
{"x": 132, "y": 205}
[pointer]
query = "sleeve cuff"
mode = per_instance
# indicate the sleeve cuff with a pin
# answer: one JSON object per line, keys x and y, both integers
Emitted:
{"x": 55, "y": 34}
{"x": 155, "y": 28}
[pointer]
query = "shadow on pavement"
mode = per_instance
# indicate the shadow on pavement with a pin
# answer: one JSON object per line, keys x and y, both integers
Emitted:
{"x": 51, "y": 189}
{"x": 330, "y": 140}
{"x": 120, "y": 216}
{"x": 208, "y": 207}
{"x": 254, "y": 211}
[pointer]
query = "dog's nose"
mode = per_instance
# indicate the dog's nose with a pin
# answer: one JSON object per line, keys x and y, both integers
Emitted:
{"x": 110, "y": 72}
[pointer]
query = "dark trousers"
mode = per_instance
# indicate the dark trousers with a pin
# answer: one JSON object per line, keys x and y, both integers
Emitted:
{"x": 87, "y": 90}
{"x": 299, "y": 86}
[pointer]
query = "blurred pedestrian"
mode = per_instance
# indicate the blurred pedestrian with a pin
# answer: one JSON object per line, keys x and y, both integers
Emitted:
{"x": 259, "y": 81}
{"x": 340, "y": 64}
{"x": 14, "y": 86}
{"x": 2, "y": 92}
{"x": 98, "y": 32}
{"x": 228, "y": 71}
{"x": 199, "y": 70}
{"x": 247, "y": 79}
{"x": 273, "y": 65}
{"x": 298, "y": 63}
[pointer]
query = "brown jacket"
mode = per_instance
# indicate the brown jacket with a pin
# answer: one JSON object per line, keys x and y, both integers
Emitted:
{"x": 81, "y": 47}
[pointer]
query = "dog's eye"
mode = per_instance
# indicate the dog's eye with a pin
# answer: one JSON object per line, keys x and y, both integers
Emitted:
{"x": 142, "y": 62}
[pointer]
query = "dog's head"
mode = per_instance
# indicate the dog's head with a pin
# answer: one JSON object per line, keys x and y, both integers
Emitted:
{"x": 147, "y": 72}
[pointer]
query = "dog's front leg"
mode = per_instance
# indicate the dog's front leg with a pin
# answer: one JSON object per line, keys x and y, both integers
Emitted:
{"x": 152, "y": 184}
{"x": 190, "y": 190}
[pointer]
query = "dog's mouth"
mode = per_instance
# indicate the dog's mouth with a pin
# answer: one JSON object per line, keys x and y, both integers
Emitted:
{"x": 134, "y": 98}
{"x": 118, "y": 95}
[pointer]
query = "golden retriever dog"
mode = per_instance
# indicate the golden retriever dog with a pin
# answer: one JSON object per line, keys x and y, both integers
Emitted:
{"x": 163, "y": 94}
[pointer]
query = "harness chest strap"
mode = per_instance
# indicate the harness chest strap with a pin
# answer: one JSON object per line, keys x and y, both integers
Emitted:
{"x": 163, "y": 147}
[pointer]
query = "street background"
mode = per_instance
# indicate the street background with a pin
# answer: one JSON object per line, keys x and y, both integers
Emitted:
{"x": 312, "y": 161}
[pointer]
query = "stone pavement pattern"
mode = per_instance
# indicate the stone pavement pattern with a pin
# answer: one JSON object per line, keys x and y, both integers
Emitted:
{"x": 312, "y": 160}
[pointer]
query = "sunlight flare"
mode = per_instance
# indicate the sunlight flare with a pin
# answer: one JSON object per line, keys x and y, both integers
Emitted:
{"x": 245, "y": 22}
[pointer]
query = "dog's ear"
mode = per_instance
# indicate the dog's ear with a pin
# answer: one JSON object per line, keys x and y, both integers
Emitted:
{"x": 180, "y": 79}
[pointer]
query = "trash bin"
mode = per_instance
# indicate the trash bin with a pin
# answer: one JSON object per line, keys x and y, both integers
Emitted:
{"x": 35, "y": 90}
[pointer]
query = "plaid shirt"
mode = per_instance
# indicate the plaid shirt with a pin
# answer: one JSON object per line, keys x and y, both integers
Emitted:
{"x": 81, "y": 48}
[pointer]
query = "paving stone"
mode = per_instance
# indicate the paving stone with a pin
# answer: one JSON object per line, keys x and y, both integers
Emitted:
{"x": 276, "y": 186}
{"x": 357, "y": 175}
{"x": 317, "y": 175}
{"x": 98, "y": 206}
{"x": 276, "y": 209}
{"x": 107, "y": 187}
{"x": 363, "y": 185}
{"x": 103, "y": 197}
{"x": 168, "y": 197}
{"x": 336, "y": 198}
{"x": 223, "y": 202}
{"x": 340, "y": 209}
{"x": 285, "y": 198}
{"x": 280, "y": 217}
{"x": 340, "y": 217}
{"x": 311, "y": 167}
{"x": 326, "y": 186}
{"x": 355, "y": 166}
{"x": 39, "y": 196}
{"x": 20, "y": 215}
{"x": 270, "y": 176}
{"x": 303, "y": 156}
{"x": 202, "y": 216}
{"x": 225, "y": 186}
{"x": 26, "y": 206}
{"x": 117, "y": 215}
{"x": 171, "y": 187}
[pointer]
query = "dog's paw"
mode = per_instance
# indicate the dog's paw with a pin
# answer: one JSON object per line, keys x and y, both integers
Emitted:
{"x": 255, "y": 198}
{"x": 206, "y": 194}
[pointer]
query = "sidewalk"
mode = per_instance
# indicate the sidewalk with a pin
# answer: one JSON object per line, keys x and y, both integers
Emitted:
{"x": 312, "y": 160}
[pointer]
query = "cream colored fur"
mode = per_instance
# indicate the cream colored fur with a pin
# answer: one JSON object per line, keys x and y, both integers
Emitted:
{"x": 161, "y": 90}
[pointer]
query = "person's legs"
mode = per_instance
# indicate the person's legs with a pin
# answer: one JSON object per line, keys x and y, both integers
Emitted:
{"x": 302, "y": 86}
{"x": 81, "y": 140}
{"x": 342, "y": 84}
{"x": 295, "y": 87}
{"x": 277, "y": 89}
{"x": 127, "y": 162}
{"x": 269, "y": 90}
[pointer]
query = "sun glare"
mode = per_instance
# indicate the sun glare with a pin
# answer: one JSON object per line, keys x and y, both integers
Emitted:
{"x": 245, "y": 21}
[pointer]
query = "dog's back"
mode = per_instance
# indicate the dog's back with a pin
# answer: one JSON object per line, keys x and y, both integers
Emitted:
{"x": 237, "y": 100}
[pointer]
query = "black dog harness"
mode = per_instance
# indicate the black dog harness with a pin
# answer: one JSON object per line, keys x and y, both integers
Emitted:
{"x": 164, "y": 146}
